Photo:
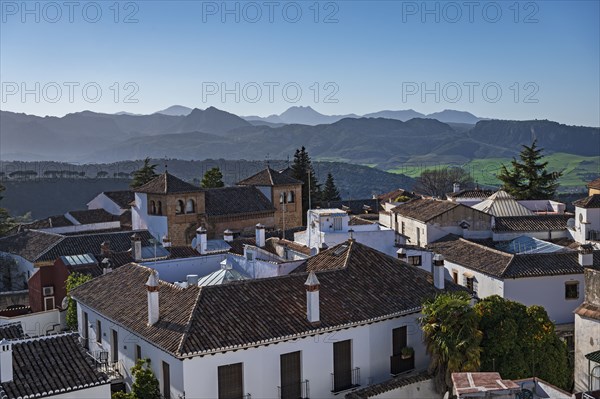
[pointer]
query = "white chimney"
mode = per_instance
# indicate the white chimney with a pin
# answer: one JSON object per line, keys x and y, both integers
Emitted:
{"x": 166, "y": 241}
{"x": 152, "y": 288}
{"x": 455, "y": 188}
{"x": 260, "y": 235}
{"x": 312, "y": 298}
{"x": 6, "y": 361}
{"x": 136, "y": 247}
{"x": 192, "y": 279}
{"x": 228, "y": 235}
{"x": 586, "y": 255}
{"x": 201, "y": 240}
{"x": 438, "y": 271}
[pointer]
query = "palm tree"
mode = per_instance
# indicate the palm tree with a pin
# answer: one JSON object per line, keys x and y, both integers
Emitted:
{"x": 452, "y": 336}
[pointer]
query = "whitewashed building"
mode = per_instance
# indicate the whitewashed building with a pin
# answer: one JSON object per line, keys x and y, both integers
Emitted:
{"x": 337, "y": 323}
{"x": 586, "y": 226}
{"x": 552, "y": 280}
{"x": 329, "y": 227}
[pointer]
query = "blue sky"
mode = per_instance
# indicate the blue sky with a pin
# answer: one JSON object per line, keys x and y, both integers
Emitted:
{"x": 509, "y": 60}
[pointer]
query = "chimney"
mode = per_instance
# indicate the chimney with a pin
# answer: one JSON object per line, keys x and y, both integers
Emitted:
{"x": 260, "y": 235}
{"x": 201, "y": 245}
{"x": 105, "y": 248}
{"x": 586, "y": 255}
{"x": 6, "y": 361}
{"x": 228, "y": 235}
{"x": 455, "y": 188}
{"x": 192, "y": 279}
{"x": 166, "y": 241}
{"x": 152, "y": 287}
{"x": 351, "y": 235}
{"x": 401, "y": 253}
{"x": 438, "y": 271}
{"x": 312, "y": 298}
{"x": 136, "y": 247}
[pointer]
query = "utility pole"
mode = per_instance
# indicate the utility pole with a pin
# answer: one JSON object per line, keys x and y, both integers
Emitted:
{"x": 309, "y": 203}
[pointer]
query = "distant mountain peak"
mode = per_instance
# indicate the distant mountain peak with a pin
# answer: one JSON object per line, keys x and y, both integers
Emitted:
{"x": 176, "y": 110}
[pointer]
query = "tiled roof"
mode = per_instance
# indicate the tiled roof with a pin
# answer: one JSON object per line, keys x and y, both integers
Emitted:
{"x": 502, "y": 204}
{"x": 595, "y": 184}
{"x": 29, "y": 244}
{"x": 166, "y": 183}
{"x": 502, "y": 265}
{"x": 121, "y": 198}
{"x": 271, "y": 243}
{"x": 269, "y": 177}
{"x": 531, "y": 223}
{"x": 593, "y": 201}
{"x": 47, "y": 223}
{"x": 89, "y": 216}
{"x": 424, "y": 209}
{"x": 366, "y": 286}
{"x": 182, "y": 251}
{"x": 90, "y": 243}
{"x": 236, "y": 200}
{"x": 51, "y": 365}
{"x": 389, "y": 385}
{"x": 589, "y": 310}
{"x": 238, "y": 244}
{"x": 357, "y": 221}
{"x": 11, "y": 331}
{"x": 392, "y": 195}
{"x": 472, "y": 193}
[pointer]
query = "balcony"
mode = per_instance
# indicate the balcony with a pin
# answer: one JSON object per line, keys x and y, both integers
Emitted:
{"x": 398, "y": 365}
{"x": 344, "y": 381}
{"x": 300, "y": 390}
{"x": 114, "y": 371}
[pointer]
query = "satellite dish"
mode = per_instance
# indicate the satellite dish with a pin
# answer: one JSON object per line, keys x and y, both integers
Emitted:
{"x": 65, "y": 303}
{"x": 571, "y": 223}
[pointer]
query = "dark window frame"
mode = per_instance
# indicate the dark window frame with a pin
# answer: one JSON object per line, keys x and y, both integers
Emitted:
{"x": 415, "y": 260}
{"x": 571, "y": 290}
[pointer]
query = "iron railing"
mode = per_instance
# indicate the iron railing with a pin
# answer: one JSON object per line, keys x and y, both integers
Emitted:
{"x": 345, "y": 380}
{"x": 299, "y": 390}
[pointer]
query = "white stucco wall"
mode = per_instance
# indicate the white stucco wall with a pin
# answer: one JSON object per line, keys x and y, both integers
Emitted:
{"x": 542, "y": 235}
{"x": 587, "y": 340}
{"x": 40, "y": 323}
{"x": 546, "y": 291}
{"x": 172, "y": 270}
{"x": 486, "y": 285}
{"x": 141, "y": 220}
{"x": 371, "y": 351}
{"x": 101, "y": 201}
{"x": 95, "y": 392}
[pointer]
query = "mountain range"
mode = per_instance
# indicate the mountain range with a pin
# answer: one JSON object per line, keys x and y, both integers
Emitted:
{"x": 308, "y": 116}
{"x": 212, "y": 133}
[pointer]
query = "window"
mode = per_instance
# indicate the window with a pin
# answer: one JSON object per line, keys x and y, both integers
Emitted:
{"x": 470, "y": 282}
{"x": 99, "y": 331}
{"x": 231, "y": 382}
{"x": 281, "y": 198}
{"x": 415, "y": 260}
{"x": 403, "y": 227}
{"x": 152, "y": 208}
{"x": 159, "y": 208}
{"x": 400, "y": 363}
{"x": 399, "y": 340}
{"x": 114, "y": 345}
{"x": 291, "y": 385}
{"x": 342, "y": 365}
{"x": 138, "y": 352}
{"x": 455, "y": 276}
{"x": 249, "y": 255}
{"x": 85, "y": 331}
{"x": 337, "y": 223}
{"x": 572, "y": 290}
{"x": 166, "y": 371}
{"x": 291, "y": 197}
{"x": 48, "y": 303}
{"x": 179, "y": 208}
{"x": 418, "y": 237}
{"x": 190, "y": 206}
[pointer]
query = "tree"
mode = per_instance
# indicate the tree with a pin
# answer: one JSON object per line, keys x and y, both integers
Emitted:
{"x": 302, "y": 170}
{"x": 330, "y": 191}
{"x": 11, "y": 279}
{"x": 144, "y": 174}
{"x": 451, "y": 336}
{"x": 529, "y": 178}
{"x": 145, "y": 384}
{"x": 439, "y": 182}
{"x": 74, "y": 280}
{"x": 5, "y": 220}
{"x": 213, "y": 178}
{"x": 520, "y": 342}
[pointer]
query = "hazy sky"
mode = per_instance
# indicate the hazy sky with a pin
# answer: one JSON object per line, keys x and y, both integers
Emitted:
{"x": 511, "y": 60}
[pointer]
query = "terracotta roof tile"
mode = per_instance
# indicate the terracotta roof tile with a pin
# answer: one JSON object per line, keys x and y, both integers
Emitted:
{"x": 166, "y": 183}
{"x": 90, "y": 216}
{"x": 472, "y": 193}
{"x": 595, "y": 184}
{"x": 593, "y": 201}
{"x": 236, "y": 200}
{"x": 531, "y": 223}
{"x": 424, "y": 209}
{"x": 11, "y": 331}
{"x": 269, "y": 177}
{"x": 29, "y": 244}
{"x": 121, "y": 198}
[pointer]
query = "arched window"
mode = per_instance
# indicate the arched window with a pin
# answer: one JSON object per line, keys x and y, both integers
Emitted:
{"x": 159, "y": 209}
{"x": 281, "y": 198}
{"x": 152, "y": 208}
{"x": 189, "y": 206}
{"x": 179, "y": 208}
{"x": 290, "y": 197}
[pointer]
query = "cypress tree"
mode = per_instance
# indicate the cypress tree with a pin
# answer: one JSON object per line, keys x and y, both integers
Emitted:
{"x": 302, "y": 170}
{"x": 330, "y": 191}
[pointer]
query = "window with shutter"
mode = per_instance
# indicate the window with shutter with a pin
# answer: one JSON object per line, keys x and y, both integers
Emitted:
{"x": 231, "y": 385}
{"x": 342, "y": 365}
{"x": 166, "y": 371}
{"x": 290, "y": 376}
